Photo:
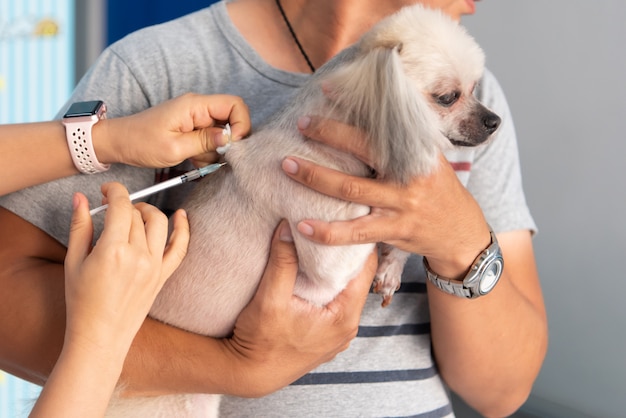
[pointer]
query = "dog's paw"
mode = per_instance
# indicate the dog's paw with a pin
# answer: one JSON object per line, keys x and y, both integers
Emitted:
{"x": 387, "y": 280}
{"x": 389, "y": 274}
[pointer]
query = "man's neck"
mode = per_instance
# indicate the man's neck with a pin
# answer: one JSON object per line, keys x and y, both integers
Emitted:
{"x": 323, "y": 27}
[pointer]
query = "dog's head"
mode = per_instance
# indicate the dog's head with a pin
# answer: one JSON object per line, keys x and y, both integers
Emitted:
{"x": 409, "y": 85}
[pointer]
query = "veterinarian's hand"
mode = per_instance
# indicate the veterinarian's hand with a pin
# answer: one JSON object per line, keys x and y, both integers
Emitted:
{"x": 188, "y": 126}
{"x": 434, "y": 216}
{"x": 108, "y": 294}
{"x": 279, "y": 337}
{"x": 110, "y": 290}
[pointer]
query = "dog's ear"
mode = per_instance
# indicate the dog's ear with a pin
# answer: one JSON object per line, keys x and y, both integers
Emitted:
{"x": 373, "y": 93}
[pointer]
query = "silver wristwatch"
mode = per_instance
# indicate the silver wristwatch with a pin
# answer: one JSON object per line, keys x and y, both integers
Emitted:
{"x": 481, "y": 278}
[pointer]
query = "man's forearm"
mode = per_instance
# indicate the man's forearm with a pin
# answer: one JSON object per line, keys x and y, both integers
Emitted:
{"x": 490, "y": 349}
{"x": 33, "y": 321}
{"x": 166, "y": 360}
{"x": 32, "y": 299}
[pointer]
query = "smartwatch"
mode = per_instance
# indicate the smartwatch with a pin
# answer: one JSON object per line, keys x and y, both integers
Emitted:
{"x": 78, "y": 121}
{"x": 481, "y": 278}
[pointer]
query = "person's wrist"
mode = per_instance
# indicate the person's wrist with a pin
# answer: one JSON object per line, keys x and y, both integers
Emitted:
{"x": 456, "y": 264}
{"x": 109, "y": 136}
{"x": 250, "y": 375}
{"x": 228, "y": 372}
{"x": 99, "y": 346}
{"x": 103, "y": 141}
{"x": 241, "y": 378}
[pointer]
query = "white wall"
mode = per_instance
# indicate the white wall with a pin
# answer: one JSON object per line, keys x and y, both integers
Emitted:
{"x": 563, "y": 66}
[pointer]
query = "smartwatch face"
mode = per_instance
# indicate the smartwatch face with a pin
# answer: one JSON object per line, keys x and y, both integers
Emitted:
{"x": 83, "y": 109}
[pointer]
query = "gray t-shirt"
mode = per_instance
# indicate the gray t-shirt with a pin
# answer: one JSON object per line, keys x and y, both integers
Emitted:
{"x": 388, "y": 369}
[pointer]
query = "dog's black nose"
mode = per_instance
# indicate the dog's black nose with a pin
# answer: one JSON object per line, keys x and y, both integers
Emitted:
{"x": 491, "y": 121}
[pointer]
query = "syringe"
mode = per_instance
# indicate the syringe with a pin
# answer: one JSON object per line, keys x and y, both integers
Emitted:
{"x": 185, "y": 178}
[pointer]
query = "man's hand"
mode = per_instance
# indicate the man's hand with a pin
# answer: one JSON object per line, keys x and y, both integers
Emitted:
{"x": 279, "y": 337}
{"x": 433, "y": 215}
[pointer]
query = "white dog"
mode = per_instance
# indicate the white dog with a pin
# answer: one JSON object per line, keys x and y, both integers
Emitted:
{"x": 407, "y": 84}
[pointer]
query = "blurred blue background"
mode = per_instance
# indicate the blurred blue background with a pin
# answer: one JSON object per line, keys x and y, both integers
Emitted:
{"x": 127, "y": 16}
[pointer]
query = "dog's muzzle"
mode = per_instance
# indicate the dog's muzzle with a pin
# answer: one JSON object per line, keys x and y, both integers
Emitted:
{"x": 475, "y": 129}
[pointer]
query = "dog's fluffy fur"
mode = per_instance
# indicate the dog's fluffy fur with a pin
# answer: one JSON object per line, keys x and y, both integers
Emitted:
{"x": 407, "y": 84}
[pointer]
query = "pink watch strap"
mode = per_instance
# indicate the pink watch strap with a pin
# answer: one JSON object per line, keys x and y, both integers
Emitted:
{"x": 78, "y": 134}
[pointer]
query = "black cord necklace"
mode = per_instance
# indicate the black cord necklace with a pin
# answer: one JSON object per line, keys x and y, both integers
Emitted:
{"x": 293, "y": 34}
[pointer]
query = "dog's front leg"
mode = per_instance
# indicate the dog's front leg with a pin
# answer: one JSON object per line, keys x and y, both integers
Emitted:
{"x": 389, "y": 274}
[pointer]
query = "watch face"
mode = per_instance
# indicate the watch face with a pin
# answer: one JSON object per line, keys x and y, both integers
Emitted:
{"x": 490, "y": 276}
{"x": 83, "y": 109}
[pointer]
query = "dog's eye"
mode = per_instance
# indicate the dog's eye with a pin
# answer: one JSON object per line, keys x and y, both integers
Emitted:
{"x": 447, "y": 100}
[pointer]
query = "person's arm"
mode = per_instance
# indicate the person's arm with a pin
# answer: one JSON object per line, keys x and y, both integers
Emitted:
{"x": 277, "y": 339}
{"x": 489, "y": 350}
{"x": 109, "y": 292}
{"x": 162, "y": 136}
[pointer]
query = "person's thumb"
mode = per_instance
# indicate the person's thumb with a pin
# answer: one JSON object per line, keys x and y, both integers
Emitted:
{"x": 206, "y": 140}
{"x": 280, "y": 273}
{"x": 176, "y": 248}
{"x": 200, "y": 145}
{"x": 212, "y": 138}
{"x": 81, "y": 232}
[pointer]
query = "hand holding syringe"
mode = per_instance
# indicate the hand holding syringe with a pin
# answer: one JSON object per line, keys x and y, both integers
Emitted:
{"x": 185, "y": 178}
